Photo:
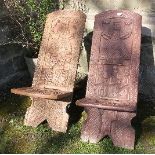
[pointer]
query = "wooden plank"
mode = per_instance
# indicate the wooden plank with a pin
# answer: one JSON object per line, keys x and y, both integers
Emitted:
{"x": 42, "y": 93}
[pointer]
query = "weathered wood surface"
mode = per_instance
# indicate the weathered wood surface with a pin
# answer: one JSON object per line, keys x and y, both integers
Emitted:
{"x": 113, "y": 77}
{"x": 54, "y": 94}
{"x": 59, "y": 51}
{"x": 56, "y": 68}
{"x": 52, "y": 111}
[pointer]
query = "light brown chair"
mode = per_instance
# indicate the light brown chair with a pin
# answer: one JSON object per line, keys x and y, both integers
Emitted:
{"x": 54, "y": 77}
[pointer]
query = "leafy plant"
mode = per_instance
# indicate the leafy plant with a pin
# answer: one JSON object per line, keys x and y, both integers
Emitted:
{"x": 29, "y": 18}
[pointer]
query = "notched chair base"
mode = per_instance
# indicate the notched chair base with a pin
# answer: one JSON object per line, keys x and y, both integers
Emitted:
{"x": 117, "y": 125}
{"x": 52, "y": 111}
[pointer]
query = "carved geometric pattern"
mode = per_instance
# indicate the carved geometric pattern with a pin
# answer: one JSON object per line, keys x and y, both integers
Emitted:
{"x": 115, "y": 56}
{"x": 112, "y": 86}
{"x": 56, "y": 69}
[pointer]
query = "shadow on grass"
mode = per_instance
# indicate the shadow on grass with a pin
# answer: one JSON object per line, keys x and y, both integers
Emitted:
{"x": 59, "y": 141}
{"x": 80, "y": 91}
{"x": 73, "y": 110}
{"x": 11, "y": 104}
{"x": 145, "y": 106}
{"x": 108, "y": 147}
{"x": 145, "y": 110}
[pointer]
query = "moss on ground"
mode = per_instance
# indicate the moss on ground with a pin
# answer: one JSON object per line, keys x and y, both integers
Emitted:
{"x": 17, "y": 138}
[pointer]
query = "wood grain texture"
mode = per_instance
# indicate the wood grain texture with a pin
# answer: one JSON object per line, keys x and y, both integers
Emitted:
{"x": 53, "y": 94}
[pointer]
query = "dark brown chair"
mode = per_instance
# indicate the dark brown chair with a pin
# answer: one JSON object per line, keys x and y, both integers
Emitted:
{"x": 55, "y": 74}
{"x": 112, "y": 86}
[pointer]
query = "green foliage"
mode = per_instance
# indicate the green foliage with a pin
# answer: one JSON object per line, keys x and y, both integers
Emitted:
{"x": 29, "y": 16}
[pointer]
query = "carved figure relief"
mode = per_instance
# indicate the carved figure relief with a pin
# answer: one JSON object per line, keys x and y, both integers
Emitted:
{"x": 111, "y": 72}
{"x": 112, "y": 85}
{"x": 115, "y": 32}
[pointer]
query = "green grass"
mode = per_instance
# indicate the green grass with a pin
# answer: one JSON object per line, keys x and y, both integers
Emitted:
{"x": 17, "y": 138}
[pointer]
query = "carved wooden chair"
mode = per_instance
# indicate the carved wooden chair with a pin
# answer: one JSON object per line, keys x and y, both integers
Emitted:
{"x": 112, "y": 85}
{"x": 54, "y": 76}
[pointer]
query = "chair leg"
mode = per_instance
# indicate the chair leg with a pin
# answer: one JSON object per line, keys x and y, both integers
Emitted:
{"x": 35, "y": 113}
{"x": 122, "y": 133}
{"x": 97, "y": 124}
{"x": 57, "y": 116}
{"x": 92, "y": 126}
{"x": 116, "y": 125}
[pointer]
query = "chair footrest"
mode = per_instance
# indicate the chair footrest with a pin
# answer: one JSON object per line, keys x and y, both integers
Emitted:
{"x": 106, "y": 104}
{"x": 41, "y": 93}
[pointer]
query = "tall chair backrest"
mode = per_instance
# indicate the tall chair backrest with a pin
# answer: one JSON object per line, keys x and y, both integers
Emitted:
{"x": 59, "y": 51}
{"x": 115, "y": 58}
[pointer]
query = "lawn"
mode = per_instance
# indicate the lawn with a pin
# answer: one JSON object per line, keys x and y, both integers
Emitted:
{"x": 17, "y": 138}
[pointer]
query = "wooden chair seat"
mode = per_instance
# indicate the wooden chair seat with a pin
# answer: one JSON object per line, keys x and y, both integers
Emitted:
{"x": 107, "y": 104}
{"x": 54, "y": 94}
